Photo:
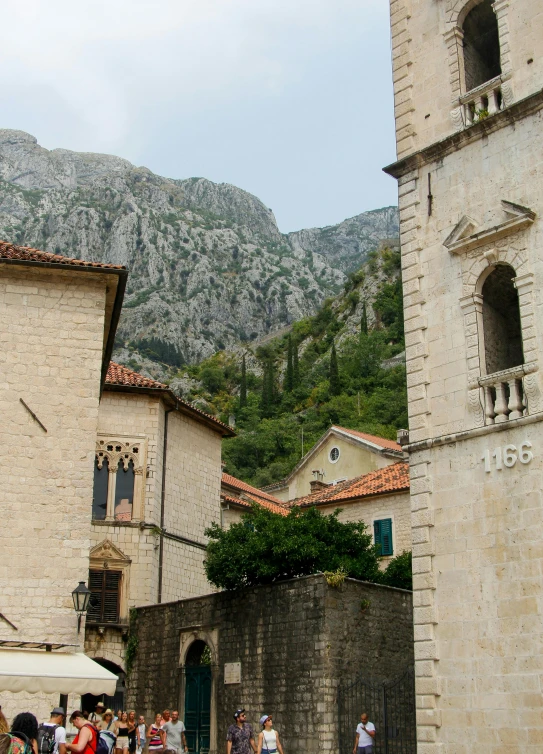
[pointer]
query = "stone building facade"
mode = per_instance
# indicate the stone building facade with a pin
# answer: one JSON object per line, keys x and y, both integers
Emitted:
{"x": 282, "y": 648}
{"x": 57, "y": 322}
{"x": 157, "y": 488}
{"x": 468, "y": 102}
{"x": 341, "y": 454}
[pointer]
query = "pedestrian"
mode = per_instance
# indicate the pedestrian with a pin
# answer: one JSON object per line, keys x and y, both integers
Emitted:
{"x": 175, "y": 734}
{"x": 121, "y": 731}
{"x": 365, "y": 733}
{"x": 141, "y": 736}
{"x": 107, "y": 722}
{"x": 96, "y": 716}
{"x": 118, "y": 715}
{"x": 86, "y": 739}
{"x": 240, "y": 738}
{"x": 4, "y": 726}
{"x": 52, "y": 735}
{"x": 155, "y": 735}
{"x": 268, "y": 738}
{"x": 24, "y": 732}
{"x": 132, "y": 737}
{"x": 165, "y": 717}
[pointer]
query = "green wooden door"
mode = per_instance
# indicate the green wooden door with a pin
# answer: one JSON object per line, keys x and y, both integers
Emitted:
{"x": 198, "y": 707}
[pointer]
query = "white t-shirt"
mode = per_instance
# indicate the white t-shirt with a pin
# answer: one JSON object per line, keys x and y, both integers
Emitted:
{"x": 364, "y": 738}
{"x": 60, "y": 736}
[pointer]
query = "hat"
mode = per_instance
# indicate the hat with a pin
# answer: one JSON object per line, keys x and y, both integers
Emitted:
{"x": 107, "y": 712}
{"x": 58, "y": 711}
{"x": 263, "y": 719}
{"x": 100, "y": 704}
{"x": 238, "y": 712}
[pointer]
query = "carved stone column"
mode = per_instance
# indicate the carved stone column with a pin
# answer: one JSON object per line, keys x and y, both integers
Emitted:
{"x": 111, "y": 487}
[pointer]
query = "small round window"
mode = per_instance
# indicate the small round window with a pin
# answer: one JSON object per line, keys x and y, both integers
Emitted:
{"x": 334, "y": 455}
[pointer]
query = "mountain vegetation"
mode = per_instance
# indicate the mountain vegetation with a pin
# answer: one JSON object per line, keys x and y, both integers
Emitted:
{"x": 208, "y": 265}
{"x": 342, "y": 365}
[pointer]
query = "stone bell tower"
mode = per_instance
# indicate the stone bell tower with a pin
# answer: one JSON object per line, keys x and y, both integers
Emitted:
{"x": 468, "y": 78}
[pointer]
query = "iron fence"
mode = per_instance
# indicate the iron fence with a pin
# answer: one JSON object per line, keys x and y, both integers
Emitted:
{"x": 390, "y": 705}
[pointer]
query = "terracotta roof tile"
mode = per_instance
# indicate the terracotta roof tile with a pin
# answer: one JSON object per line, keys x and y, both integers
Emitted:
{"x": 393, "y": 478}
{"x": 381, "y": 441}
{"x": 28, "y": 254}
{"x": 121, "y": 376}
{"x": 247, "y": 503}
{"x": 232, "y": 481}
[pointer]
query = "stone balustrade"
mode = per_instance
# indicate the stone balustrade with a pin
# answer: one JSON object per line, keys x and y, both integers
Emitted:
{"x": 504, "y": 394}
{"x": 486, "y": 100}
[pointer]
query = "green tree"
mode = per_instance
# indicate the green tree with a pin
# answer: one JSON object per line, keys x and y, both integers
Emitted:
{"x": 243, "y": 384}
{"x": 288, "y": 383}
{"x": 269, "y": 393}
{"x": 295, "y": 366}
{"x": 333, "y": 375}
{"x": 399, "y": 572}
{"x": 265, "y": 547}
{"x": 364, "y": 320}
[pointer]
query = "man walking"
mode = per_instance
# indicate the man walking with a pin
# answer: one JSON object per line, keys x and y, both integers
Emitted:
{"x": 52, "y": 735}
{"x": 365, "y": 733}
{"x": 96, "y": 716}
{"x": 240, "y": 738}
{"x": 175, "y": 734}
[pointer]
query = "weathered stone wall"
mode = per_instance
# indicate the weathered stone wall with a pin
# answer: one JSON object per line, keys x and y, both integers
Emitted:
{"x": 51, "y": 335}
{"x": 296, "y": 640}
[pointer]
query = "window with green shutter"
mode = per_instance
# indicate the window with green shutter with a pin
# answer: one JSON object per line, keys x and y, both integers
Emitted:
{"x": 382, "y": 531}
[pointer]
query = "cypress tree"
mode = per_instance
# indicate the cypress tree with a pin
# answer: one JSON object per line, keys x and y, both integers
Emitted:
{"x": 295, "y": 366}
{"x": 364, "y": 320}
{"x": 335, "y": 384}
{"x": 243, "y": 385}
{"x": 288, "y": 382}
{"x": 268, "y": 398}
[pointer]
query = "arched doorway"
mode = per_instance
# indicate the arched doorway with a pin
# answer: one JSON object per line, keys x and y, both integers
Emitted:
{"x": 198, "y": 697}
{"x": 115, "y": 702}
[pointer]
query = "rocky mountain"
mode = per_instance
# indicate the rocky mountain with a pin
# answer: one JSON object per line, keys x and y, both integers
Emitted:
{"x": 209, "y": 266}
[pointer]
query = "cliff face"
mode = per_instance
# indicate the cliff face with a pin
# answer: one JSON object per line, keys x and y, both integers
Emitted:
{"x": 208, "y": 265}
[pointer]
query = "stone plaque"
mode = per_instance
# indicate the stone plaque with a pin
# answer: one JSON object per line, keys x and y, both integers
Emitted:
{"x": 232, "y": 672}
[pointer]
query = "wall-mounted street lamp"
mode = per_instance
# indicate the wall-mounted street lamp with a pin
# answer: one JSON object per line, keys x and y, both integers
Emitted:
{"x": 81, "y": 596}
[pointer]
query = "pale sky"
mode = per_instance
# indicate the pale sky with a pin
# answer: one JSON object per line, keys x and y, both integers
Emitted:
{"x": 288, "y": 99}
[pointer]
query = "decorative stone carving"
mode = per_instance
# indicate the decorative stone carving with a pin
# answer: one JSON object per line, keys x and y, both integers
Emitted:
{"x": 119, "y": 451}
{"x": 532, "y": 392}
{"x": 475, "y": 406}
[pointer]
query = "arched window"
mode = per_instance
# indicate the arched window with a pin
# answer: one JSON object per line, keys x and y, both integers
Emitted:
{"x": 99, "y": 495}
{"x": 481, "y": 45}
{"x": 198, "y": 654}
{"x": 501, "y": 321}
{"x": 124, "y": 491}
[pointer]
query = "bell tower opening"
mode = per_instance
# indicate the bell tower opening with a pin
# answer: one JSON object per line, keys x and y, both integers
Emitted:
{"x": 481, "y": 45}
{"x": 501, "y": 321}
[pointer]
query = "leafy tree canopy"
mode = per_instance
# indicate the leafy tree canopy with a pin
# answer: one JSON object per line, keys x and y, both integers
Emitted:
{"x": 266, "y": 547}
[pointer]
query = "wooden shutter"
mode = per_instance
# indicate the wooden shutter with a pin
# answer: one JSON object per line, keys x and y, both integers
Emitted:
{"x": 382, "y": 531}
{"x": 105, "y": 592}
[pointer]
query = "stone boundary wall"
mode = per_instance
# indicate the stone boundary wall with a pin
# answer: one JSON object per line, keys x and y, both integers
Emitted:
{"x": 296, "y": 640}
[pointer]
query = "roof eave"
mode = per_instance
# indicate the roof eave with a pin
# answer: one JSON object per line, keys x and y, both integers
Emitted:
{"x": 352, "y": 499}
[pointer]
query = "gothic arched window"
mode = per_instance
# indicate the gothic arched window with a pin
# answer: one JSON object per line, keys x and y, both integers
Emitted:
{"x": 99, "y": 495}
{"x": 124, "y": 491}
{"x": 481, "y": 45}
{"x": 501, "y": 321}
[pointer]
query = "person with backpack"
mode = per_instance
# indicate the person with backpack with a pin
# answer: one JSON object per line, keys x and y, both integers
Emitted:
{"x": 86, "y": 740}
{"x": 24, "y": 734}
{"x": 52, "y": 735}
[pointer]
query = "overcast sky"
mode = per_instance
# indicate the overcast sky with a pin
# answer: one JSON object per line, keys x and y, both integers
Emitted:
{"x": 288, "y": 99}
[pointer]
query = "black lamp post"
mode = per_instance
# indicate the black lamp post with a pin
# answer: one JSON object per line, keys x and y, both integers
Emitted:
{"x": 81, "y": 596}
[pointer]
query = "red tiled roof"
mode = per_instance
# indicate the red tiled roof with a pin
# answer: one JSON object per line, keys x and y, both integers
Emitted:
{"x": 28, "y": 254}
{"x": 264, "y": 503}
{"x": 121, "y": 376}
{"x": 117, "y": 374}
{"x": 381, "y": 441}
{"x": 393, "y": 478}
{"x": 232, "y": 481}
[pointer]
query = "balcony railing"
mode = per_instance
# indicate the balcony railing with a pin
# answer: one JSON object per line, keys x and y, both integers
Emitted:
{"x": 504, "y": 394}
{"x": 486, "y": 100}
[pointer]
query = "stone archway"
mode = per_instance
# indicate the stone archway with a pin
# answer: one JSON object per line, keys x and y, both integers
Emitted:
{"x": 115, "y": 702}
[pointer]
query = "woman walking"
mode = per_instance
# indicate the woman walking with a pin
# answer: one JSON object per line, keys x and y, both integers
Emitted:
{"x": 132, "y": 735}
{"x": 155, "y": 736}
{"x": 121, "y": 745}
{"x": 141, "y": 734}
{"x": 268, "y": 738}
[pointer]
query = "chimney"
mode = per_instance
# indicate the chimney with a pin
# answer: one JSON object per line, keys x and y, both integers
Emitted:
{"x": 317, "y": 484}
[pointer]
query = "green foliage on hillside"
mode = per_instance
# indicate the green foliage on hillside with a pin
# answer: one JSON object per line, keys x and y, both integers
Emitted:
{"x": 300, "y": 389}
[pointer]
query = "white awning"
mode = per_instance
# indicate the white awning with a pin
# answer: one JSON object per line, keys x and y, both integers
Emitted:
{"x": 53, "y": 673}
